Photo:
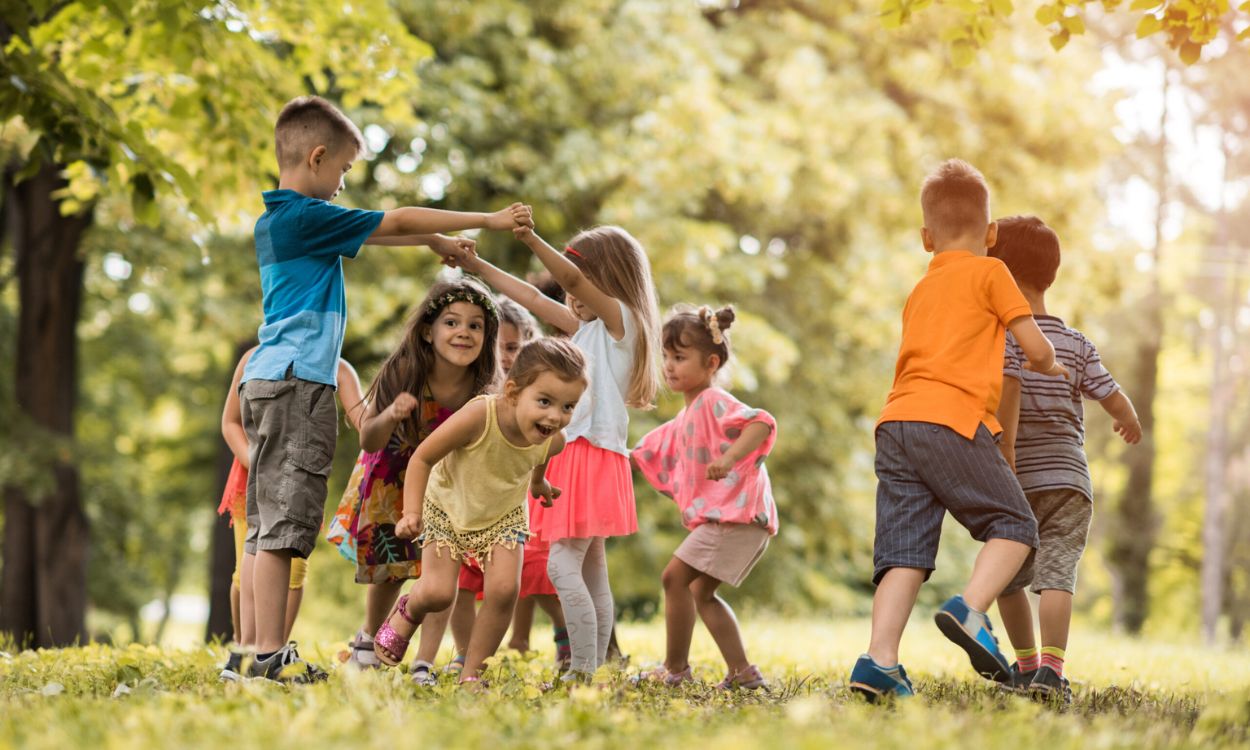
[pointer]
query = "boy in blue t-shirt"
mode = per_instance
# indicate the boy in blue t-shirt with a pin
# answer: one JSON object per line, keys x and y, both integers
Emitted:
{"x": 287, "y": 391}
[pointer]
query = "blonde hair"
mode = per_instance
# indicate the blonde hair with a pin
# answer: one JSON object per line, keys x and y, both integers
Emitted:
{"x": 615, "y": 262}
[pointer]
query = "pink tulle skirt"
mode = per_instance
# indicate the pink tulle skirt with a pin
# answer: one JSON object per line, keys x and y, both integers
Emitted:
{"x": 596, "y": 498}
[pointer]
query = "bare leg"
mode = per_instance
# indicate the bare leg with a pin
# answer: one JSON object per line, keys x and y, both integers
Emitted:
{"x": 891, "y": 606}
{"x": 1017, "y": 615}
{"x": 550, "y": 604}
{"x": 522, "y": 624}
{"x": 463, "y": 615}
{"x": 271, "y": 583}
{"x": 996, "y": 565}
{"x": 294, "y": 598}
{"x": 247, "y": 602}
{"x": 433, "y": 592}
{"x": 1055, "y": 612}
{"x": 433, "y": 627}
{"x": 719, "y": 618}
{"x": 502, "y": 582}
{"x": 679, "y": 613}
{"x": 234, "y": 613}
{"x": 379, "y": 598}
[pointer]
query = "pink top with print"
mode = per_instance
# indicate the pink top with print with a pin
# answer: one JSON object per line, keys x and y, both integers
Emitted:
{"x": 674, "y": 458}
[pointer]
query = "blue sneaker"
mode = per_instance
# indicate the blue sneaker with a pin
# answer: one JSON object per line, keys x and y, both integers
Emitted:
{"x": 873, "y": 681}
{"x": 971, "y": 631}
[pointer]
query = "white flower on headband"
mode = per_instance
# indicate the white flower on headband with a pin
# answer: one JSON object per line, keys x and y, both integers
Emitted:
{"x": 712, "y": 323}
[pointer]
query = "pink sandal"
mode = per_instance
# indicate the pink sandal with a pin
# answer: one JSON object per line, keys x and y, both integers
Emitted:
{"x": 389, "y": 645}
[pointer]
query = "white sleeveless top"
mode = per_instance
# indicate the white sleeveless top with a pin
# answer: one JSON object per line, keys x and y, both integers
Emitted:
{"x": 601, "y": 416}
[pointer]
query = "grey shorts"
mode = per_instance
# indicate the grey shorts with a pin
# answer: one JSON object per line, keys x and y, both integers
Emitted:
{"x": 291, "y": 429}
{"x": 925, "y": 470}
{"x": 1063, "y": 517}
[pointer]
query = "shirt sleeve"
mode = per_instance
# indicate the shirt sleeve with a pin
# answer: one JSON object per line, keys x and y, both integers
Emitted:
{"x": 1096, "y": 382}
{"x": 656, "y": 457}
{"x": 1013, "y": 359}
{"x": 1005, "y": 299}
{"x": 328, "y": 229}
{"x": 734, "y": 416}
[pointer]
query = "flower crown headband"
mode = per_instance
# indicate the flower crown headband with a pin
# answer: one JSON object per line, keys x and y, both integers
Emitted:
{"x": 461, "y": 295}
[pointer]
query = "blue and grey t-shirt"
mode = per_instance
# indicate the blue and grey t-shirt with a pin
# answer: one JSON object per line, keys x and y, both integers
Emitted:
{"x": 1050, "y": 440}
{"x": 300, "y": 245}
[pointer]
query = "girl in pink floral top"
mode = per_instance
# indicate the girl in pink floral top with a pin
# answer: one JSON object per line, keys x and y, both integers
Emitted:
{"x": 710, "y": 460}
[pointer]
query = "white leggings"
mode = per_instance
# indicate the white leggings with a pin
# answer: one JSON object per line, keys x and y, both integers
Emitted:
{"x": 578, "y": 569}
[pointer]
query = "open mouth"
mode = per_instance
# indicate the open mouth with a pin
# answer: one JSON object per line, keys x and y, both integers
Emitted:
{"x": 544, "y": 430}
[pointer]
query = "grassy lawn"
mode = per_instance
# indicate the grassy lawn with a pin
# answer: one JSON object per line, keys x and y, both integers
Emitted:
{"x": 1129, "y": 694}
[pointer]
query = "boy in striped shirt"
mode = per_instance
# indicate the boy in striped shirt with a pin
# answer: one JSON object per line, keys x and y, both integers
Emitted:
{"x": 1043, "y": 439}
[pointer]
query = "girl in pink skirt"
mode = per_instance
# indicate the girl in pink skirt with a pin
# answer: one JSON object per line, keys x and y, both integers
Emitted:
{"x": 710, "y": 460}
{"x": 610, "y": 313}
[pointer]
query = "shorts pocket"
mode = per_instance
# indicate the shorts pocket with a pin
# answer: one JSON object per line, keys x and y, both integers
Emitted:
{"x": 306, "y": 495}
{"x": 257, "y": 390}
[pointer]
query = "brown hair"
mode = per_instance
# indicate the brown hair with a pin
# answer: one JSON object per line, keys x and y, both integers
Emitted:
{"x": 512, "y": 313}
{"x": 561, "y": 357}
{"x": 615, "y": 262}
{"x": 408, "y": 367}
{"x": 955, "y": 200}
{"x": 308, "y": 122}
{"x": 692, "y": 327}
{"x": 1030, "y": 249}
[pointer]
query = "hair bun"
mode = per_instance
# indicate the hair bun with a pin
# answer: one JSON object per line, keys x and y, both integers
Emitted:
{"x": 725, "y": 317}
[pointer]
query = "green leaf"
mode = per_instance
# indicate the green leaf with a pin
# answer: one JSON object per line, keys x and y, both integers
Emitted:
{"x": 1148, "y": 25}
{"x": 1047, "y": 14}
{"x": 1074, "y": 25}
{"x": 1002, "y": 8}
{"x": 1060, "y": 40}
{"x": 1190, "y": 52}
{"x": 962, "y": 53}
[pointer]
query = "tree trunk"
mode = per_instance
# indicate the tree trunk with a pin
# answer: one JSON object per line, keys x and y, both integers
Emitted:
{"x": 43, "y": 594}
{"x": 221, "y": 566}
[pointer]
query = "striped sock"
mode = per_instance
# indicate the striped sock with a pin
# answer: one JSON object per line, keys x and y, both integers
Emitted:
{"x": 1027, "y": 659}
{"x": 1052, "y": 656}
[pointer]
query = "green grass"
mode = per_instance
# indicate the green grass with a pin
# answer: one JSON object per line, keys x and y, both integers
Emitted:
{"x": 1129, "y": 694}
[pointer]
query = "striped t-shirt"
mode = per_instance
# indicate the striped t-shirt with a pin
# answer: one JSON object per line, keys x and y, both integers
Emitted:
{"x": 1050, "y": 440}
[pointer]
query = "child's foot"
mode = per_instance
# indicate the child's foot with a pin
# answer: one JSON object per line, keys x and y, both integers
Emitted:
{"x": 285, "y": 666}
{"x": 232, "y": 670}
{"x": 360, "y": 652}
{"x": 391, "y": 643}
{"x": 423, "y": 675}
{"x": 1017, "y": 681}
{"x": 1051, "y": 687}
{"x": 971, "y": 631}
{"x": 564, "y": 651}
{"x": 874, "y": 681}
{"x": 747, "y": 679}
{"x": 661, "y": 674}
{"x": 455, "y": 666}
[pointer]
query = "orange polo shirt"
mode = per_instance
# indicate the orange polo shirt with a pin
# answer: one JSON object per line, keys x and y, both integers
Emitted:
{"x": 950, "y": 364}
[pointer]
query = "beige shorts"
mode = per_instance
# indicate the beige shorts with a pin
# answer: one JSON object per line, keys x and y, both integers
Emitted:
{"x": 724, "y": 551}
{"x": 1063, "y": 517}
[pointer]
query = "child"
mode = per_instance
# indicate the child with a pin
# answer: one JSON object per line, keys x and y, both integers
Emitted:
{"x": 1043, "y": 438}
{"x": 234, "y": 501}
{"x": 610, "y": 312}
{"x": 710, "y": 460}
{"x": 285, "y": 396}
{"x": 466, "y": 494}
{"x": 936, "y": 449}
{"x": 445, "y": 358}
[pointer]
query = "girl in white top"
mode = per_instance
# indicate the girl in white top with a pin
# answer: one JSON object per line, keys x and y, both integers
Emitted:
{"x": 610, "y": 312}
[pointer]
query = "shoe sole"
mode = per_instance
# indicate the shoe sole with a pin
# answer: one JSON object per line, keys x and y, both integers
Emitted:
{"x": 229, "y": 675}
{"x": 982, "y": 661}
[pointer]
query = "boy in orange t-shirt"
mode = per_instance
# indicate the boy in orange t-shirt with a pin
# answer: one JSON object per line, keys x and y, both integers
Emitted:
{"x": 937, "y": 436}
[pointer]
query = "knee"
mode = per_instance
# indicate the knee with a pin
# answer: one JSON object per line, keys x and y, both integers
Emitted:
{"x": 438, "y": 598}
{"x": 703, "y": 590}
{"x": 672, "y": 580}
{"x": 502, "y": 594}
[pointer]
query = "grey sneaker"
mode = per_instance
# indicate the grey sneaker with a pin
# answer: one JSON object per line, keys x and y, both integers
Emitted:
{"x": 286, "y": 667}
{"x": 1049, "y": 686}
{"x": 1017, "y": 681}
{"x": 423, "y": 674}
{"x": 361, "y": 654}
{"x": 232, "y": 670}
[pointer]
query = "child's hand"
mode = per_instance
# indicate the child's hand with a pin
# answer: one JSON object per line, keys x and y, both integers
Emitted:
{"x": 546, "y": 492}
{"x": 1130, "y": 431}
{"x": 719, "y": 469}
{"x": 454, "y": 250}
{"x": 401, "y": 407}
{"x": 410, "y": 526}
{"x": 516, "y": 215}
{"x": 1056, "y": 370}
{"x": 523, "y": 232}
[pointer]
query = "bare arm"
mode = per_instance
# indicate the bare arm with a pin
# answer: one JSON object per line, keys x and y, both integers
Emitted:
{"x": 572, "y": 280}
{"x": 232, "y": 416}
{"x": 376, "y": 428}
{"x": 1036, "y": 347}
{"x": 460, "y": 429}
{"x": 752, "y": 437}
{"x": 456, "y": 248}
{"x": 350, "y": 397}
{"x": 539, "y": 486}
{"x": 1009, "y": 418}
{"x": 524, "y": 294}
{"x": 1121, "y": 410}
{"x": 413, "y": 220}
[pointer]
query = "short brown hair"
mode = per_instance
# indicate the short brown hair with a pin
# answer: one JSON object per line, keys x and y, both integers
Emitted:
{"x": 692, "y": 327}
{"x": 955, "y": 200}
{"x": 513, "y": 314}
{"x": 561, "y": 357}
{"x": 308, "y": 122}
{"x": 1030, "y": 249}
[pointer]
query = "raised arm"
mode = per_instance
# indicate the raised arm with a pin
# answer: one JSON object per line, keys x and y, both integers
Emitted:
{"x": 376, "y": 427}
{"x": 573, "y": 281}
{"x": 1009, "y": 418}
{"x": 1121, "y": 410}
{"x": 232, "y": 416}
{"x": 524, "y": 294}
{"x": 414, "y": 220}
{"x": 460, "y": 429}
{"x": 350, "y": 397}
{"x": 1036, "y": 347}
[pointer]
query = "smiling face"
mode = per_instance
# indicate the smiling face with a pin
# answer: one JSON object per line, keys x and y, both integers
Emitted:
{"x": 688, "y": 369}
{"x": 457, "y": 333}
{"x": 545, "y": 406}
{"x": 509, "y": 344}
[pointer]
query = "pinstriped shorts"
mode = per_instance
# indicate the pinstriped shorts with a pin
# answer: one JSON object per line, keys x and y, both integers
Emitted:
{"x": 925, "y": 470}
